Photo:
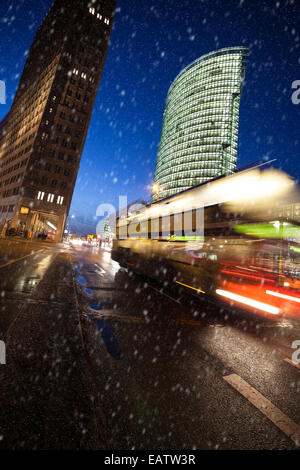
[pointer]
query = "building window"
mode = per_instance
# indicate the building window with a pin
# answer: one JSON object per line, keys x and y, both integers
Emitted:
{"x": 40, "y": 195}
{"x": 53, "y": 183}
{"x": 99, "y": 16}
{"x": 75, "y": 71}
{"x": 24, "y": 210}
{"x": 83, "y": 75}
{"x": 92, "y": 11}
{"x": 37, "y": 164}
{"x": 67, "y": 172}
{"x": 106, "y": 20}
{"x": 50, "y": 197}
{"x": 57, "y": 170}
{"x": 60, "y": 199}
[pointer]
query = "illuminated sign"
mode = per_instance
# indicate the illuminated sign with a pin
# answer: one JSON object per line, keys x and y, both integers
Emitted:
{"x": 24, "y": 210}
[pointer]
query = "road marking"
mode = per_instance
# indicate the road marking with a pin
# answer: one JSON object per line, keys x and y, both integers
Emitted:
{"x": 289, "y": 361}
{"x": 166, "y": 295}
{"x": 18, "y": 259}
{"x": 247, "y": 301}
{"x": 274, "y": 414}
{"x": 131, "y": 319}
{"x": 188, "y": 322}
{"x": 124, "y": 318}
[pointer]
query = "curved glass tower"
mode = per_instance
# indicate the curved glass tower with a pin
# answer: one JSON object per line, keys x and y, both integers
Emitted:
{"x": 200, "y": 125}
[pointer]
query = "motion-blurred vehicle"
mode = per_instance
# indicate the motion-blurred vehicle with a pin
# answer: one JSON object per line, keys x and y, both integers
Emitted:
{"x": 223, "y": 240}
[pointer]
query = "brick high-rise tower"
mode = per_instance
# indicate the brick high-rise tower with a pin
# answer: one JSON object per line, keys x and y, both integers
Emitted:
{"x": 42, "y": 136}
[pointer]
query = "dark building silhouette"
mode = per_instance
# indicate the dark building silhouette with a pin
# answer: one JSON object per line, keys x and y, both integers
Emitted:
{"x": 42, "y": 136}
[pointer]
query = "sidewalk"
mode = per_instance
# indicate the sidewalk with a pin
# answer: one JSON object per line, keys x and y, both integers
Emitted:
{"x": 46, "y": 393}
{"x": 35, "y": 242}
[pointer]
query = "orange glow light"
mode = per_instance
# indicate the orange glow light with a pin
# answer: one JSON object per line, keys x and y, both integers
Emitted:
{"x": 251, "y": 302}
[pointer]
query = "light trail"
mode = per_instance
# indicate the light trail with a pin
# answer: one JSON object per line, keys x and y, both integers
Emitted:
{"x": 251, "y": 302}
{"x": 283, "y": 296}
{"x": 248, "y": 276}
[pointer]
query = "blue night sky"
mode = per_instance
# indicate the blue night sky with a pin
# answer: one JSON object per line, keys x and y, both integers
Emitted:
{"x": 152, "y": 40}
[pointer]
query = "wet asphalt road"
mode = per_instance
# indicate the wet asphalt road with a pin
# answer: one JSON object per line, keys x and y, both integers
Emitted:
{"x": 149, "y": 365}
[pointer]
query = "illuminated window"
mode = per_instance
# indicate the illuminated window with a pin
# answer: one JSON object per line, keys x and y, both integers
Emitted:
{"x": 40, "y": 195}
{"x": 50, "y": 197}
{"x": 106, "y": 20}
{"x": 60, "y": 200}
{"x": 92, "y": 11}
{"x": 75, "y": 71}
{"x": 83, "y": 75}
{"x": 99, "y": 16}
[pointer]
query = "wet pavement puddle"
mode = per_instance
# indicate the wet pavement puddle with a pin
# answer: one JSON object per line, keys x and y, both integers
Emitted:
{"x": 109, "y": 340}
{"x": 81, "y": 280}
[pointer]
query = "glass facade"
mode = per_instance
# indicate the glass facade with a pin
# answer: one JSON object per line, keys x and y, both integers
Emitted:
{"x": 200, "y": 125}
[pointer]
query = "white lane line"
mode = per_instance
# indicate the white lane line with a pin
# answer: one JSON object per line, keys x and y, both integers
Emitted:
{"x": 274, "y": 414}
{"x": 188, "y": 322}
{"x": 289, "y": 361}
{"x": 115, "y": 316}
{"x": 18, "y": 259}
{"x": 166, "y": 295}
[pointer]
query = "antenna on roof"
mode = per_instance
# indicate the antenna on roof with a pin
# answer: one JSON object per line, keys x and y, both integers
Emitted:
{"x": 256, "y": 164}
